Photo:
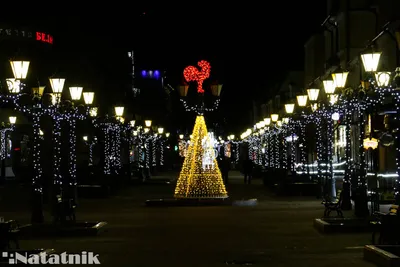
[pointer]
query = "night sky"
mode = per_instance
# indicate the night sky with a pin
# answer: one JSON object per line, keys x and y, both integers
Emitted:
{"x": 249, "y": 47}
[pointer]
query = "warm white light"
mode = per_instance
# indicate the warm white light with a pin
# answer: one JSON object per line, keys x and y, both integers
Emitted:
{"x": 232, "y": 136}
{"x": 12, "y": 119}
{"x": 382, "y": 78}
{"x": 146, "y": 130}
{"x": 181, "y": 136}
{"x": 340, "y": 79}
{"x": 54, "y": 98}
{"x": 135, "y": 133}
{"x": 121, "y": 119}
{"x": 20, "y": 69}
{"x": 314, "y": 107}
{"x": 85, "y": 138}
{"x": 132, "y": 123}
{"x": 267, "y": 121}
{"x": 160, "y": 130}
{"x": 119, "y": 111}
{"x": 147, "y": 123}
{"x": 14, "y": 86}
{"x": 41, "y": 133}
{"x": 329, "y": 86}
{"x": 371, "y": 61}
{"x": 313, "y": 94}
{"x": 167, "y": 135}
{"x": 302, "y": 100}
{"x": 57, "y": 85}
{"x": 93, "y": 111}
{"x": 262, "y": 124}
{"x": 88, "y": 97}
{"x": 274, "y": 117}
{"x": 289, "y": 108}
{"x": 76, "y": 92}
{"x": 333, "y": 99}
{"x": 279, "y": 123}
{"x": 335, "y": 116}
{"x": 285, "y": 120}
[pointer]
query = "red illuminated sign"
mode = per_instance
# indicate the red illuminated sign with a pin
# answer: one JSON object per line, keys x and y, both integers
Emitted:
{"x": 44, "y": 37}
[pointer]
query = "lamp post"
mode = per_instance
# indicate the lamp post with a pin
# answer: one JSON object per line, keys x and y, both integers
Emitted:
{"x": 4, "y": 133}
{"x": 289, "y": 108}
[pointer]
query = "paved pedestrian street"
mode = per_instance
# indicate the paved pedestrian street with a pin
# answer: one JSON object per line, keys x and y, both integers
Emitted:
{"x": 277, "y": 232}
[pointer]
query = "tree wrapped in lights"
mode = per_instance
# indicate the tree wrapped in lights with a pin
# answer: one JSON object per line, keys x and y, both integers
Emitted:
{"x": 200, "y": 176}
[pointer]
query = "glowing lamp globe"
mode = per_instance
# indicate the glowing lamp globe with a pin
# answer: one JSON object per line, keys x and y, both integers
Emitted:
{"x": 20, "y": 69}
{"x": 57, "y": 85}
{"x": 335, "y": 116}
{"x": 333, "y": 99}
{"x": 274, "y": 117}
{"x": 313, "y": 94}
{"x": 181, "y": 136}
{"x": 382, "y": 78}
{"x": 38, "y": 91}
{"x": 167, "y": 135}
{"x": 329, "y": 86}
{"x": 147, "y": 123}
{"x": 289, "y": 108}
{"x": 119, "y": 111}
{"x": 267, "y": 121}
{"x": 160, "y": 130}
{"x": 88, "y": 97}
{"x": 285, "y": 120}
{"x": 13, "y": 85}
{"x": 340, "y": 79}
{"x": 93, "y": 111}
{"x": 370, "y": 61}
{"x": 12, "y": 119}
{"x": 216, "y": 89}
{"x": 132, "y": 123}
{"x": 76, "y": 93}
{"x": 302, "y": 100}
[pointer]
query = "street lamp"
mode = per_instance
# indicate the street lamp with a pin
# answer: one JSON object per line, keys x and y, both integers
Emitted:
{"x": 160, "y": 130}
{"x": 119, "y": 111}
{"x": 88, "y": 97}
{"x": 371, "y": 61}
{"x": 340, "y": 79}
{"x": 302, "y": 100}
{"x": 313, "y": 94}
{"x": 76, "y": 93}
{"x": 289, "y": 108}
{"x": 329, "y": 86}
{"x": 274, "y": 117}
{"x": 20, "y": 69}
{"x": 148, "y": 123}
{"x": 12, "y": 120}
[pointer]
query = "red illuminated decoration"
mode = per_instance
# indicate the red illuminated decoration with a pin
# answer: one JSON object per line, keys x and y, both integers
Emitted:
{"x": 44, "y": 37}
{"x": 191, "y": 73}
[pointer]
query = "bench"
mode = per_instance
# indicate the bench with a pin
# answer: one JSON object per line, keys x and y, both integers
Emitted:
{"x": 9, "y": 231}
{"x": 387, "y": 225}
{"x": 334, "y": 205}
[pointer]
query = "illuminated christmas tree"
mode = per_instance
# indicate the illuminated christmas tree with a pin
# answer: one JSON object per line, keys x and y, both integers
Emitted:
{"x": 200, "y": 176}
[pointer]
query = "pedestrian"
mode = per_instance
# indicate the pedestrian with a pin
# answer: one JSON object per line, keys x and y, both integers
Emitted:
{"x": 225, "y": 168}
{"x": 248, "y": 171}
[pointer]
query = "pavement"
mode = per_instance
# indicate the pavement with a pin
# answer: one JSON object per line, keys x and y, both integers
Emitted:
{"x": 276, "y": 232}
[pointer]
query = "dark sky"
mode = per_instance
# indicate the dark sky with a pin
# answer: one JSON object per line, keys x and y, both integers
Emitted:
{"x": 249, "y": 46}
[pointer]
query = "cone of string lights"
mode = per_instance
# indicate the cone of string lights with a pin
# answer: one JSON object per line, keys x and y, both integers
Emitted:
{"x": 200, "y": 176}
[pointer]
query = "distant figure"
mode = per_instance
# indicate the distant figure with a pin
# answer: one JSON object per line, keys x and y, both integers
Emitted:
{"x": 247, "y": 170}
{"x": 225, "y": 166}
